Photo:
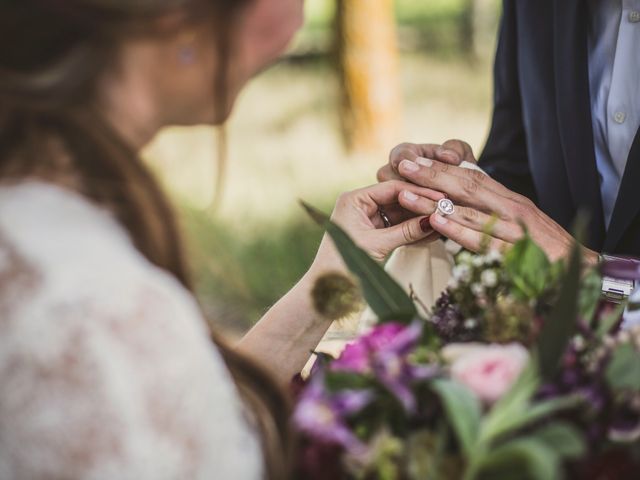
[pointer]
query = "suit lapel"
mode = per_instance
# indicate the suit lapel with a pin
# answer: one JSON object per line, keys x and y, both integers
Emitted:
{"x": 574, "y": 111}
{"x": 628, "y": 202}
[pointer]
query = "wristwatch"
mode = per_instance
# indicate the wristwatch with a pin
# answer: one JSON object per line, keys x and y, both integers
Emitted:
{"x": 620, "y": 276}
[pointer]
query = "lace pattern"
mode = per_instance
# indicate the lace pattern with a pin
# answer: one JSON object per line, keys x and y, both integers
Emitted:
{"x": 105, "y": 365}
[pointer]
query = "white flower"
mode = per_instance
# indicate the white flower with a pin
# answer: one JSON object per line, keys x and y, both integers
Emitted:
{"x": 470, "y": 323}
{"x": 477, "y": 289}
{"x": 494, "y": 256}
{"x": 489, "y": 278}
{"x": 465, "y": 257}
{"x": 453, "y": 283}
{"x": 477, "y": 261}
{"x": 462, "y": 273}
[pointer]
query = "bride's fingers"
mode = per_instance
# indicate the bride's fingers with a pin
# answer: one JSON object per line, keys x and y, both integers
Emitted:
{"x": 465, "y": 236}
{"x": 395, "y": 213}
{"x": 387, "y": 193}
{"x": 416, "y": 203}
{"x": 407, "y": 232}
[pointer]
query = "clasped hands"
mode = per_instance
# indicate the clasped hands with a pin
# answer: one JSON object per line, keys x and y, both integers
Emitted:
{"x": 485, "y": 210}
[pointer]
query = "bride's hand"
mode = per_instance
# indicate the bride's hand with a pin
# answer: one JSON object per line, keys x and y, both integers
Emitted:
{"x": 358, "y": 213}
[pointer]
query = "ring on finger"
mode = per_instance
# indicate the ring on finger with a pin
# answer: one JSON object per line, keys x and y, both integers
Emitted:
{"x": 445, "y": 207}
{"x": 385, "y": 218}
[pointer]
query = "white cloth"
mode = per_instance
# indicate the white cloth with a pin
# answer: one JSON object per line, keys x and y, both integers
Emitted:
{"x": 106, "y": 370}
{"x": 614, "y": 76}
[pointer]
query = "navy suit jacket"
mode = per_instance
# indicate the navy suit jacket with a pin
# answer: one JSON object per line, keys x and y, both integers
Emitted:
{"x": 541, "y": 139}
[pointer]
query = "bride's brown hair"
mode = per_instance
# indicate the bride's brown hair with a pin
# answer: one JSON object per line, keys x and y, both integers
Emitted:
{"x": 52, "y": 53}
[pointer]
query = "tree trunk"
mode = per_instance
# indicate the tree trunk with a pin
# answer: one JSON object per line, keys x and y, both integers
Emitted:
{"x": 368, "y": 69}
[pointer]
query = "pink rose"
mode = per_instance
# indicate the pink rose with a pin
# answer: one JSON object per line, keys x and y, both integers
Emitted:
{"x": 488, "y": 370}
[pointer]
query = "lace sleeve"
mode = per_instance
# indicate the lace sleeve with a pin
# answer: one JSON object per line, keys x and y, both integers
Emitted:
{"x": 117, "y": 380}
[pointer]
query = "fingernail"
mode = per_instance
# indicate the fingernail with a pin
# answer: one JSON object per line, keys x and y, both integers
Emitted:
{"x": 425, "y": 162}
{"x": 425, "y": 226}
{"x": 441, "y": 220}
{"x": 410, "y": 196}
{"x": 450, "y": 153}
{"x": 409, "y": 166}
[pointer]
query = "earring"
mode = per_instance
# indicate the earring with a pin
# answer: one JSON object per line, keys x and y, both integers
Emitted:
{"x": 187, "y": 55}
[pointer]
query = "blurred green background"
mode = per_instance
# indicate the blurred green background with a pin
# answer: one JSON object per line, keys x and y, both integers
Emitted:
{"x": 250, "y": 245}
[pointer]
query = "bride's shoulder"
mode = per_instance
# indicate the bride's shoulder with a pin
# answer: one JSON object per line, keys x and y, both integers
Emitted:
{"x": 67, "y": 242}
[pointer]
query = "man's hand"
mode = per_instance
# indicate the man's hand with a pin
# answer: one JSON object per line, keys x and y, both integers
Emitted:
{"x": 453, "y": 152}
{"x": 483, "y": 206}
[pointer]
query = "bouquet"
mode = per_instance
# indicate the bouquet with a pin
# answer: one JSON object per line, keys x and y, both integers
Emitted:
{"x": 520, "y": 371}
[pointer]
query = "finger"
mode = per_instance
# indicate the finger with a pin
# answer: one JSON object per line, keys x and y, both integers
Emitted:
{"x": 466, "y": 237}
{"x": 395, "y": 213}
{"x": 467, "y": 187}
{"x": 416, "y": 204}
{"x": 386, "y": 193}
{"x": 387, "y": 173}
{"x": 487, "y": 224}
{"x": 407, "y": 232}
{"x": 462, "y": 150}
{"x": 477, "y": 175}
{"x": 411, "y": 151}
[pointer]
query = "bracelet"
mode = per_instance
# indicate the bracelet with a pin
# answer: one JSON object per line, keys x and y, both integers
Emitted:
{"x": 620, "y": 276}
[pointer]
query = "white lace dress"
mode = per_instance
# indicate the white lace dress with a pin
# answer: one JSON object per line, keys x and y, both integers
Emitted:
{"x": 106, "y": 371}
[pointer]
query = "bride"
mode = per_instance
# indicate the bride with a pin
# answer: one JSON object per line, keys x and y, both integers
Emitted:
{"x": 106, "y": 364}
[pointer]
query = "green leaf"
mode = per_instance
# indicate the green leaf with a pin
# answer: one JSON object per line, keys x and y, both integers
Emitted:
{"x": 529, "y": 268}
{"x": 607, "y": 322}
{"x": 386, "y": 298}
{"x": 515, "y": 410}
{"x": 526, "y": 458}
{"x": 561, "y": 325}
{"x": 339, "y": 381}
{"x": 590, "y": 295}
{"x": 566, "y": 440}
{"x": 623, "y": 371}
{"x": 463, "y": 410}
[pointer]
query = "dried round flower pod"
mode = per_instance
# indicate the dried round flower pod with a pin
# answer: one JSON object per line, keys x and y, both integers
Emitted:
{"x": 336, "y": 296}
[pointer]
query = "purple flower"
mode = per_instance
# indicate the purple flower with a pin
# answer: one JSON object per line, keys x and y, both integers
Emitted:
{"x": 357, "y": 355}
{"x": 384, "y": 353}
{"x": 322, "y": 415}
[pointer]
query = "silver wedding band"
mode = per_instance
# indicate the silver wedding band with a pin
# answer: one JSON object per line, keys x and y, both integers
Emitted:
{"x": 385, "y": 219}
{"x": 445, "y": 207}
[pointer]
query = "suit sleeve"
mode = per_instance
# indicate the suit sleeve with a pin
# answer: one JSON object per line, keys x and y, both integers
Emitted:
{"x": 505, "y": 154}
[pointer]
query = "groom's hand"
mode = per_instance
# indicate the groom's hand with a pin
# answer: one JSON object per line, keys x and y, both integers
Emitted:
{"x": 483, "y": 206}
{"x": 453, "y": 152}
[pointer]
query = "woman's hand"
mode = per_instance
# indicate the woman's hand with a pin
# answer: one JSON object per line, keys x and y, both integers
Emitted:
{"x": 358, "y": 213}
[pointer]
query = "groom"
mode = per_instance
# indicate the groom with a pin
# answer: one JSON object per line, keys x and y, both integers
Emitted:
{"x": 565, "y": 132}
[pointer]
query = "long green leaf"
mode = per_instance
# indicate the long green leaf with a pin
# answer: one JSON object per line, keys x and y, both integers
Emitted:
{"x": 519, "y": 459}
{"x": 561, "y": 324}
{"x": 565, "y": 439}
{"x": 386, "y": 298}
{"x": 463, "y": 411}
{"x": 623, "y": 371}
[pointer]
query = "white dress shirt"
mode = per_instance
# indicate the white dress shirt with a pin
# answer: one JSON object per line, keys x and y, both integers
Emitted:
{"x": 614, "y": 78}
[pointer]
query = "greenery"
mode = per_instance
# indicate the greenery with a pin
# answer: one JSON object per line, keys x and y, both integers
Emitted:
{"x": 240, "y": 275}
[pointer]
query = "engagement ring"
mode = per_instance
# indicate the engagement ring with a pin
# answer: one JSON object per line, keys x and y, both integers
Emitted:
{"x": 445, "y": 207}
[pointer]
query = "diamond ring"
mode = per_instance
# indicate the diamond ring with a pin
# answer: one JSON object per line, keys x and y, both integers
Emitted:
{"x": 445, "y": 207}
